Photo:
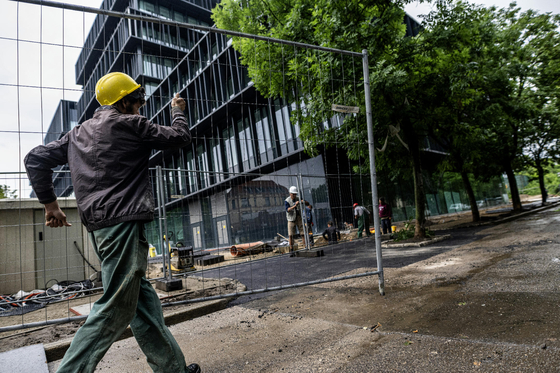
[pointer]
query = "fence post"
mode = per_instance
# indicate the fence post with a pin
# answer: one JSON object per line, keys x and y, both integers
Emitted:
{"x": 305, "y": 235}
{"x": 162, "y": 218}
{"x": 373, "y": 174}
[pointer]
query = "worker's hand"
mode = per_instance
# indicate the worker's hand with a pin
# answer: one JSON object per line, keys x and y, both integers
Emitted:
{"x": 54, "y": 217}
{"x": 177, "y": 101}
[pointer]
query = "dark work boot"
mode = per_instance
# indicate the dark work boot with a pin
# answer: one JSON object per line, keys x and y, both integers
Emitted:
{"x": 193, "y": 368}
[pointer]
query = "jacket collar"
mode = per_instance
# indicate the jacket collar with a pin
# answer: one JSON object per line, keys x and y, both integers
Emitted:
{"x": 105, "y": 107}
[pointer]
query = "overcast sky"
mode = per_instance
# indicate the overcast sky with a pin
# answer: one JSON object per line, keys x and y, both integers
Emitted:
{"x": 542, "y": 6}
{"x": 38, "y": 71}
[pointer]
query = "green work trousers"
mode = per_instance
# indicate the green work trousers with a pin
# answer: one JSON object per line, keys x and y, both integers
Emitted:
{"x": 363, "y": 222}
{"x": 128, "y": 298}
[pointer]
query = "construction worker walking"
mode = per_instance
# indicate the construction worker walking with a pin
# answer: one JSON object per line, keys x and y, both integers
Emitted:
{"x": 108, "y": 159}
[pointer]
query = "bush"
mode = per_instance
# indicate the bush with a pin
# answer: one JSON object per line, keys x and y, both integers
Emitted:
{"x": 408, "y": 232}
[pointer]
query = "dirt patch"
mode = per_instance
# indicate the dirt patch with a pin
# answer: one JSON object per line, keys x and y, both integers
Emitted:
{"x": 500, "y": 288}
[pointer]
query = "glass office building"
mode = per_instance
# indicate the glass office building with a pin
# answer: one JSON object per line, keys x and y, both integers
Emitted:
{"x": 229, "y": 186}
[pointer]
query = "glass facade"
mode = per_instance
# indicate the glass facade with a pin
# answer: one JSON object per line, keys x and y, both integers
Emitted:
{"x": 250, "y": 211}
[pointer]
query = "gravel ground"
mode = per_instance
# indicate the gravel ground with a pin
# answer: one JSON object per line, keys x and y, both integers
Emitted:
{"x": 486, "y": 300}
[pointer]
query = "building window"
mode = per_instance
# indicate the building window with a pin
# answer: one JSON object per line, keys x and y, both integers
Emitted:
{"x": 157, "y": 67}
{"x": 191, "y": 170}
{"x": 242, "y": 141}
{"x": 279, "y": 122}
{"x": 147, "y": 6}
{"x": 203, "y": 165}
{"x": 230, "y": 149}
{"x": 150, "y": 88}
{"x": 216, "y": 159}
{"x": 249, "y": 142}
{"x": 260, "y": 136}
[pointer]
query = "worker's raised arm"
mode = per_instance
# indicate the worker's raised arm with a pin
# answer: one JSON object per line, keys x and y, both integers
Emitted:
{"x": 177, "y": 135}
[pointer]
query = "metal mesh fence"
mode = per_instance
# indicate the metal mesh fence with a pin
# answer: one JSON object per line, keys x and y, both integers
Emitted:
{"x": 220, "y": 202}
{"x": 283, "y": 114}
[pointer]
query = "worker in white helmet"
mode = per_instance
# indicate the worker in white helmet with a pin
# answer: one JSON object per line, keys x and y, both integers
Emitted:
{"x": 293, "y": 215}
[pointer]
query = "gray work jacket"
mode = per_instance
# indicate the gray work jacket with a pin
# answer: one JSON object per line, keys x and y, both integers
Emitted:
{"x": 108, "y": 159}
{"x": 292, "y": 214}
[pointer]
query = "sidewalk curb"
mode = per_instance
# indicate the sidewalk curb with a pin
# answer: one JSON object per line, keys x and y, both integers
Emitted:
{"x": 496, "y": 222}
{"x": 523, "y": 214}
{"x": 418, "y": 244}
{"x": 506, "y": 219}
{"x": 56, "y": 350}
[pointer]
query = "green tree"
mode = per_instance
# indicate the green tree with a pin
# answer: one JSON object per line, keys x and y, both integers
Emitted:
{"x": 521, "y": 85}
{"x": 464, "y": 81}
{"x": 542, "y": 128}
{"x": 315, "y": 80}
{"x": 6, "y": 192}
{"x": 453, "y": 46}
{"x": 496, "y": 90}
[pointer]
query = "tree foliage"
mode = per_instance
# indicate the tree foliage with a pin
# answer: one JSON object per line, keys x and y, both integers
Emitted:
{"x": 481, "y": 82}
{"x": 6, "y": 192}
{"x": 315, "y": 80}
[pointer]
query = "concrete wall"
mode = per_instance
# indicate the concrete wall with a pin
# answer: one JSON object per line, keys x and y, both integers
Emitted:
{"x": 33, "y": 256}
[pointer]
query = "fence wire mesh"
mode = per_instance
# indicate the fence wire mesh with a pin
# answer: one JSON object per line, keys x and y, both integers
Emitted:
{"x": 221, "y": 225}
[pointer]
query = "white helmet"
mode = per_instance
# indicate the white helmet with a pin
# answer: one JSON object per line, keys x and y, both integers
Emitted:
{"x": 293, "y": 190}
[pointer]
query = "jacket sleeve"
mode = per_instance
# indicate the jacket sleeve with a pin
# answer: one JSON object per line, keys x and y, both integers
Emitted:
{"x": 39, "y": 163}
{"x": 177, "y": 135}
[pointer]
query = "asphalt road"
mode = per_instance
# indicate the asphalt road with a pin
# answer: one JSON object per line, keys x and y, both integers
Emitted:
{"x": 337, "y": 260}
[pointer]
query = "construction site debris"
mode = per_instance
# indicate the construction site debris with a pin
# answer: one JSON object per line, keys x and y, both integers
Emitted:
{"x": 23, "y": 302}
{"x": 251, "y": 248}
{"x": 209, "y": 260}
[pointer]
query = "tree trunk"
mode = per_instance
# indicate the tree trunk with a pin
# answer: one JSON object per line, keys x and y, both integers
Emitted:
{"x": 515, "y": 200}
{"x": 540, "y": 171}
{"x": 419, "y": 197}
{"x": 411, "y": 139}
{"x": 472, "y": 199}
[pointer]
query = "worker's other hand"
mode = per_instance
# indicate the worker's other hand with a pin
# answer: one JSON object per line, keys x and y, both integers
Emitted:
{"x": 177, "y": 101}
{"x": 54, "y": 217}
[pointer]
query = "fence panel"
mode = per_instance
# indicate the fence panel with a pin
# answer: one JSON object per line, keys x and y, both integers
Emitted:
{"x": 224, "y": 195}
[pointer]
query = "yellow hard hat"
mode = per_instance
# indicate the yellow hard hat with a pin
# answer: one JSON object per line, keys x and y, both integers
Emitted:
{"x": 114, "y": 86}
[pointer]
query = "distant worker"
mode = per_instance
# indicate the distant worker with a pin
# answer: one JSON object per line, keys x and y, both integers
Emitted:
{"x": 293, "y": 215}
{"x": 361, "y": 214}
{"x": 309, "y": 218}
{"x": 108, "y": 159}
{"x": 385, "y": 216}
{"x": 331, "y": 234}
